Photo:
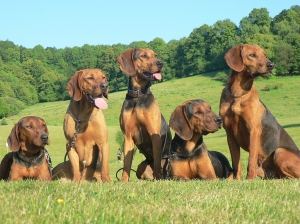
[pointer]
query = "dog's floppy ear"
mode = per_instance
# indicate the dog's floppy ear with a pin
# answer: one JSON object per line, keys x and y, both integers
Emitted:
{"x": 73, "y": 86}
{"x": 126, "y": 61}
{"x": 234, "y": 58}
{"x": 180, "y": 124}
{"x": 13, "y": 138}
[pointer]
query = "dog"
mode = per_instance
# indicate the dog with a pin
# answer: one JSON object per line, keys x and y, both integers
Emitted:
{"x": 141, "y": 120}
{"x": 189, "y": 157}
{"x": 248, "y": 122}
{"x": 29, "y": 159}
{"x": 85, "y": 129}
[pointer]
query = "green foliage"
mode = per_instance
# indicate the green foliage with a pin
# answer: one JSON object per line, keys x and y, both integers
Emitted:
{"x": 41, "y": 74}
{"x": 284, "y": 58}
{"x": 10, "y": 106}
{"x": 3, "y": 121}
{"x": 4, "y": 109}
{"x": 272, "y": 86}
{"x": 120, "y": 139}
{"x": 221, "y": 76}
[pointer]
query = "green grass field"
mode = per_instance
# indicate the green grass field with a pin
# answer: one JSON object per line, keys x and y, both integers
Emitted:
{"x": 258, "y": 201}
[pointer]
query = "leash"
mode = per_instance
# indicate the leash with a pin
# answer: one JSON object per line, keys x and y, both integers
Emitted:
{"x": 122, "y": 169}
{"x": 77, "y": 126}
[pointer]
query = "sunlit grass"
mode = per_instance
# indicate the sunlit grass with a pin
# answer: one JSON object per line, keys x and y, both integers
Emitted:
{"x": 258, "y": 201}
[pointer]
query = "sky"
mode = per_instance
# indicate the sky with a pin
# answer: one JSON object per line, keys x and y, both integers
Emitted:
{"x": 69, "y": 23}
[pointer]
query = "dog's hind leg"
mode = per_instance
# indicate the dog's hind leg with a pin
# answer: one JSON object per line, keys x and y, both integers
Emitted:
{"x": 287, "y": 163}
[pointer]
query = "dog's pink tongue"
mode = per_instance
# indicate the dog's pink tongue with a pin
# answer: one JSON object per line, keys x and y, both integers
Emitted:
{"x": 100, "y": 103}
{"x": 157, "y": 76}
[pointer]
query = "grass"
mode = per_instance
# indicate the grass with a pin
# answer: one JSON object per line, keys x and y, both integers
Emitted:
{"x": 261, "y": 201}
{"x": 218, "y": 201}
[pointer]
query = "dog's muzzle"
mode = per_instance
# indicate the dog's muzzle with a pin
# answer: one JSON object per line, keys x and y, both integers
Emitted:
{"x": 44, "y": 139}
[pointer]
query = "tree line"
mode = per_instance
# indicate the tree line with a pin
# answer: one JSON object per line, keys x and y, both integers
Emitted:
{"x": 32, "y": 75}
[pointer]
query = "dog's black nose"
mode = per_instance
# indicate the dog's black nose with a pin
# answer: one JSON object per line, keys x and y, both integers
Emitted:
{"x": 218, "y": 120}
{"x": 44, "y": 137}
{"x": 103, "y": 86}
{"x": 159, "y": 64}
{"x": 270, "y": 65}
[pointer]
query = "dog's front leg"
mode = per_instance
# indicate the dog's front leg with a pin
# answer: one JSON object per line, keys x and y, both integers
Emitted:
{"x": 253, "y": 153}
{"x": 74, "y": 159}
{"x": 235, "y": 153}
{"x": 43, "y": 173}
{"x": 128, "y": 156}
{"x": 157, "y": 150}
{"x": 104, "y": 162}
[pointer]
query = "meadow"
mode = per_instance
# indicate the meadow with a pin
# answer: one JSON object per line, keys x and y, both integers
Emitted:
{"x": 257, "y": 201}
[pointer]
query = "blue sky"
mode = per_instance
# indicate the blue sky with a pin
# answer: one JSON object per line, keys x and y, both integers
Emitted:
{"x": 69, "y": 23}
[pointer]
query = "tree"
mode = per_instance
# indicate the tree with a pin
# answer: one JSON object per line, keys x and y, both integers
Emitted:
{"x": 38, "y": 52}
{"x": 4, "y": 109}
{"x": 108, "y": 64}
{"x": 258, "y": 21}
{"x": 161, "y": 49}
{"x": 11, "y": 55}
{"x": 5, "y": 89}
{"x": 139, "y": 44}
{"x": 284, "y": 58}
{"x": 223, "y": 37}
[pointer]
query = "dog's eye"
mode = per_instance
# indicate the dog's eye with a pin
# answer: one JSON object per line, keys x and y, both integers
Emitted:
{"x": 198, "y": 112}
{"x": 90, "y": 78}
{"x": 143, "y": 56}
{"x": 252, "y": 55}
{"x": 29, "y": 126}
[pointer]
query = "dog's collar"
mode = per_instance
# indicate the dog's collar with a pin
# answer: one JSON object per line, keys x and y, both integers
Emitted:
{"x": 30, "y": 159}
{"x": 79, "y": 121}
{"x": 228, "y": 92}
{"x": 33, "y": 160}
{"x": 176, "y": 146}
{"x": 136, "y": 93}
{"x": 133, "y": 92}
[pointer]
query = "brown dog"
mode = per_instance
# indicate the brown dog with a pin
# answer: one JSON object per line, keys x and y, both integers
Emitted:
{"x": 85, "y": 128}
{"x": 140, "y": 119}
{"x": 248, "y": 122}
{"x": 29, "y": 158}
{"x": 189, "y": 157}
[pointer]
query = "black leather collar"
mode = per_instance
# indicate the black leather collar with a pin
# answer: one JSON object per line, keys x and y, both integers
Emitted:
{"x": 135, "y": 92}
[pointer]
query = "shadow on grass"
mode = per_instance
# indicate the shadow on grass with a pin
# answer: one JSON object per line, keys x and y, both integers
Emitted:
{"x": 291, "y": 125}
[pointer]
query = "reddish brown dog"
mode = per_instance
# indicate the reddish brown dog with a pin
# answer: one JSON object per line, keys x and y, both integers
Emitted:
{"x": 189, "y": 157}
{"x": 85, "y": 128}
{"x": 248, "y": 122}
{"x": 140, "y": 119}
{"x": 29, "y": 158}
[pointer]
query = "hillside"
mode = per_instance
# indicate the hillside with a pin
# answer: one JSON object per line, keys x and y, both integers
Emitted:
{"x": 282, "y": 98}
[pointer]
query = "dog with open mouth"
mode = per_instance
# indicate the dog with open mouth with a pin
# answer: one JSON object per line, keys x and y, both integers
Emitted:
{"x": 141, "y": 120}
{"x": 85, "y": 129}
